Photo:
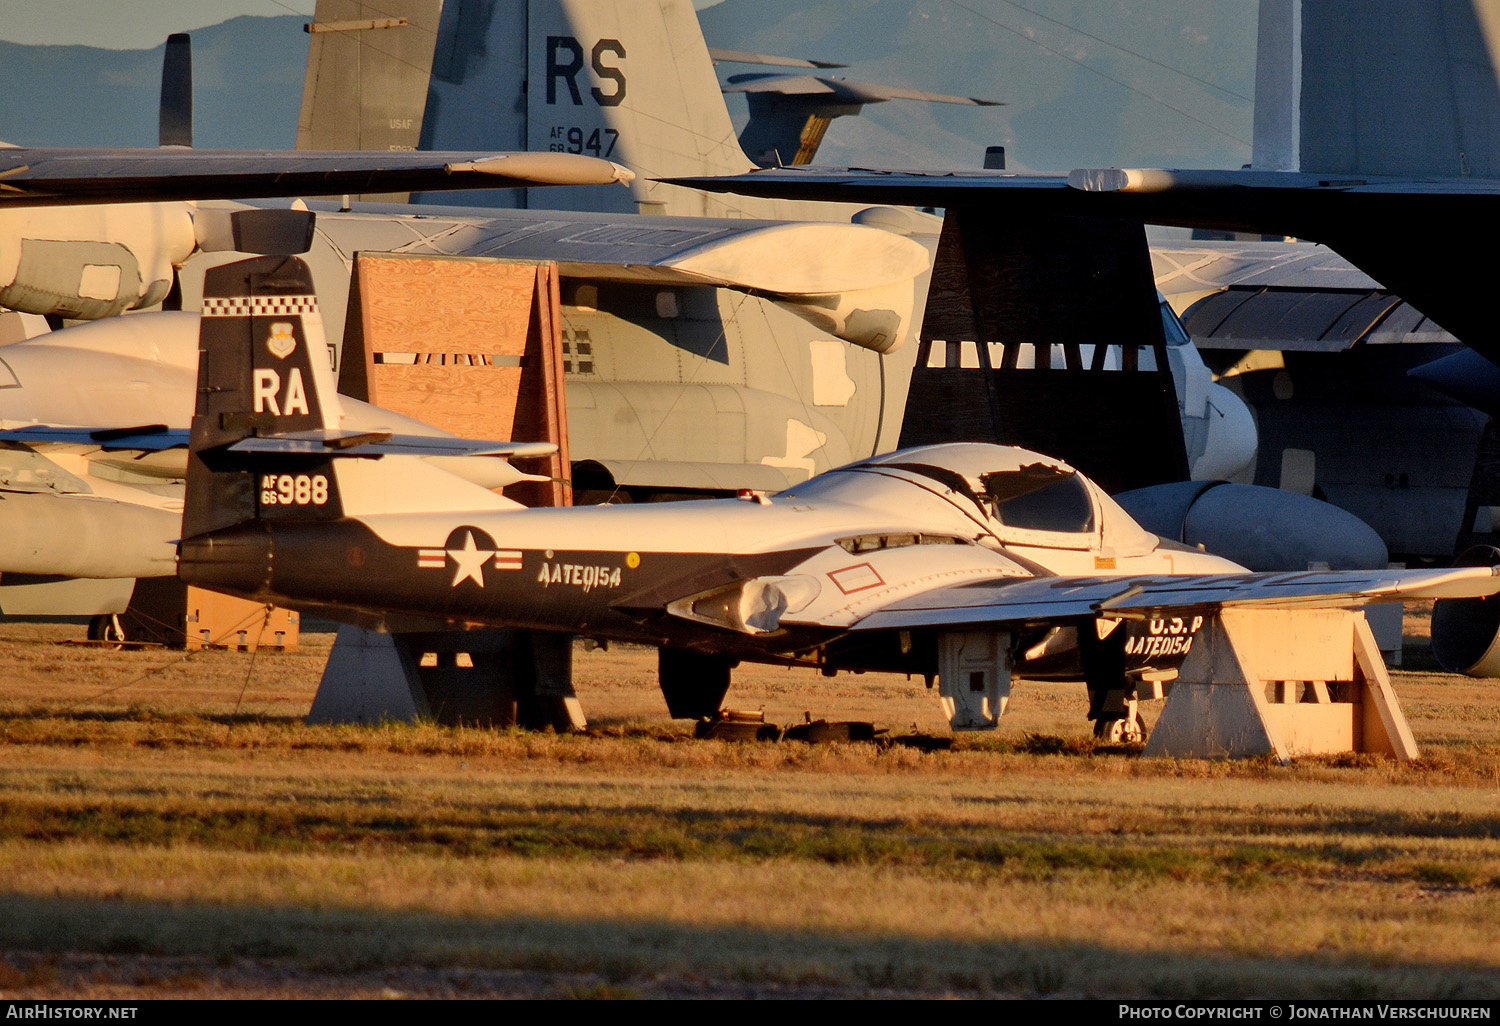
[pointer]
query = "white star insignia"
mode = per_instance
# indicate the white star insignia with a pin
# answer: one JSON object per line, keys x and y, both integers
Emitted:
{"x": 469, "y": 561}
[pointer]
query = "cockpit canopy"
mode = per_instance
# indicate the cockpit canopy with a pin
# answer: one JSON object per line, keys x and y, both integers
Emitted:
{"x": 1039, "y": 497}
{"x": 1022, "y": 497}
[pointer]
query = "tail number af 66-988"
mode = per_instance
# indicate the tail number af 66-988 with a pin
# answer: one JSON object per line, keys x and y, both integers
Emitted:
{"x": 293, "y": 489}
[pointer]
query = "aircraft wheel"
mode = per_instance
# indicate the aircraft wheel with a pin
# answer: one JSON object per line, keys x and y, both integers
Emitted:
{"x": 109, "y": 627}
{"x": 1120, "y": 731}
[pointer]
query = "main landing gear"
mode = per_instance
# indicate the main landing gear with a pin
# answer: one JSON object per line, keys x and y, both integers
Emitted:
{"x": 1112, "y": 693}
{"x": 109, "y": 627}
{"x": 1126, "y": 729}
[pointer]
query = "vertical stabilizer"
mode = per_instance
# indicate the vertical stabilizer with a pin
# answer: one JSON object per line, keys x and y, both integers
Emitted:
{"x": 175, "y": 123}
{"x": 1381, "y": 87}
{"x": 630, "y": 80}
{"x": 1278, "y": 86}
{"x": 263, "y": 369}
{"x": 367, "y": 71}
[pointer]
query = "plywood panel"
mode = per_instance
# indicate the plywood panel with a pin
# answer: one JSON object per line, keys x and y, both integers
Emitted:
{"x": 470, "y": 345}
{"x": 474, "y": 402}
{"x": 1308, "y": 729}
{"x": 435, "y": 305}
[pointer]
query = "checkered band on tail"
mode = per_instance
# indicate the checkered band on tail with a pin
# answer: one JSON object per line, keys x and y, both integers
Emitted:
{"x": 258, "y": 306}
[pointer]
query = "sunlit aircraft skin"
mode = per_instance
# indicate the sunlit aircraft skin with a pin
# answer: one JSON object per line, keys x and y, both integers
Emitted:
{"x": 870, "y": 566}
{"x": 90, "y": 233}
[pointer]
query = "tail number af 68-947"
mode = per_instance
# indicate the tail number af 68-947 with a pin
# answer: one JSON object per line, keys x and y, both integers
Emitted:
{"x": 293, "y": 489}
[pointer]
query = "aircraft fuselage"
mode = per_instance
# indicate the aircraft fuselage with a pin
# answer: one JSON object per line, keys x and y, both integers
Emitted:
{"x": 765, "y": 579}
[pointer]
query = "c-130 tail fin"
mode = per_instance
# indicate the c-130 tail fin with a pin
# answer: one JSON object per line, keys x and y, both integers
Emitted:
{"x": 629, "y": 80}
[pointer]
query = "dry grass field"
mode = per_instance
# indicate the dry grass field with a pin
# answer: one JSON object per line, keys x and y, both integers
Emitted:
{"x": 170, "y": 827}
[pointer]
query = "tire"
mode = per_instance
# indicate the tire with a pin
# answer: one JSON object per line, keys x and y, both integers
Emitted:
{"x": 108, "y": 628}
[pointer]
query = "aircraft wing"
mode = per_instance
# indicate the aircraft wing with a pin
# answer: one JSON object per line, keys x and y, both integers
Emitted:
{"x": 852, "y": 280}
{"x": 1288, "y": 296}
{"x": 1042, "y": 599}
{"x": 1395, "y": 228}
{"x": 50, "y": 177}
{"x": 145, "y": 437}
{"x": 1273, "y": 202}
{"x": 777, "y": 257}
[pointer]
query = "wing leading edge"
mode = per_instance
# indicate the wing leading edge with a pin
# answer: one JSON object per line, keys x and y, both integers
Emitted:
{"x": 50, "y": 177}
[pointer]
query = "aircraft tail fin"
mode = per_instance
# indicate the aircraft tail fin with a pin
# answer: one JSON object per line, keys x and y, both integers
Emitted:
{"x": 263, "y": 370}
{"x": 1326, "y": 100}
{"x": 175, "y": 121}
{"x": 630, "y": 81}
{"x": 268, "y": 440}
{"x": 367, "y": 71}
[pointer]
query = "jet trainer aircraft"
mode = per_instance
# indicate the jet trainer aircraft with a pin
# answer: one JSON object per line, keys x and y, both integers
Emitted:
{"x": 673, "y": 322}
{"x": 899, "y": 562}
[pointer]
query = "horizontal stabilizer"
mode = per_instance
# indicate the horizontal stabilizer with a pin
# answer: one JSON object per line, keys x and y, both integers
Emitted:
{"x": 744, "y": 57}
{"x": 380, "y": 443}
{"x": 839, "y": 90}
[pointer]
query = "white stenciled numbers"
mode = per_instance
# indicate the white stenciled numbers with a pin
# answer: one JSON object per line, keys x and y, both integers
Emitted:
{"x": 293, "y": 489}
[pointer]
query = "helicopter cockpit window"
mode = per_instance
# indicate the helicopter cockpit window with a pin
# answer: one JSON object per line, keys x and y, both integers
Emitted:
{"x": 1040, "y": 498}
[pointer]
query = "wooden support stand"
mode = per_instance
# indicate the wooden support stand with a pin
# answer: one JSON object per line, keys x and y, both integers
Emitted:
{"x": 167, "y": 612}
{"x": 1282, "y": 683}
{"x": 472, "y": 346}
{"x": 213, "y": 620}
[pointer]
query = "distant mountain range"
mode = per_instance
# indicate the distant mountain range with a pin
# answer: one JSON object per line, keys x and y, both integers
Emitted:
{"x": 247, "y": 89}
{"x": 1172, "y": 87}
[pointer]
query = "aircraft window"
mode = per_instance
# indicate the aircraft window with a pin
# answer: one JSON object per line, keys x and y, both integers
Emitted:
{"x": 1172, "y": 327}
{"x": 874, "y": 542}
{"x": 1040, "y": 498}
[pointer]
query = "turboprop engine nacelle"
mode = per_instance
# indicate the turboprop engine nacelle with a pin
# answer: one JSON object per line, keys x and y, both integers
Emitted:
{"x": 94, "y": 261}
{"x": 1263, "y": 529}
{"x": 91, "y": 261}
{"x": 87, "y": 536}
{"x": 1466, "y": 632}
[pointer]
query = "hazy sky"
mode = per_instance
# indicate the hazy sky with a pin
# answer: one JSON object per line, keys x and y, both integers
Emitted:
{"x": 126, "y": 26}
{"x": 138, "y": 25}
